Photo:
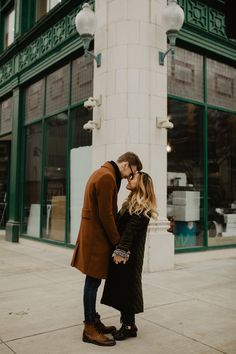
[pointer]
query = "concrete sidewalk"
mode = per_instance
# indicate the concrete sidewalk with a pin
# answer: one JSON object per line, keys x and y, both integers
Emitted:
{"x": 189, "y": 310}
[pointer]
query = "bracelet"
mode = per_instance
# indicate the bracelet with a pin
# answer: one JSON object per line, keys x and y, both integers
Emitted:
{"x": 121, "y": 253}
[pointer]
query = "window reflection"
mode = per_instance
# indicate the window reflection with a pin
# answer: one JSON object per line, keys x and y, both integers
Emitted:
{"x": 185, "y": 174}
{"x": 44, "y": 6}
{"x": 54, "y": 203}
{"x": 9, "y": 29}
{"x": 80, "y": 137}
{"x": 185, "y": 77}
{"x": 80, "y": 165}
{"x": 33, "y": 180}
{"x": 222, "y": 177}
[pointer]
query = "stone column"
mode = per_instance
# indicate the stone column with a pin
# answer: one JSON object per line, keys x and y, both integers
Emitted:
{"x": 133, "y": 86}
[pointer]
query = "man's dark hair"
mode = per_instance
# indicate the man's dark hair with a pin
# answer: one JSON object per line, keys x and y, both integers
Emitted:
{"x": 132, "y": 159}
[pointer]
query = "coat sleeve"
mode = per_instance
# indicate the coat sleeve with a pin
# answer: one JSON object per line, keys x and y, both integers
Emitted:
{"x": 105, "y": 190}
{"x": 131, "y": 231}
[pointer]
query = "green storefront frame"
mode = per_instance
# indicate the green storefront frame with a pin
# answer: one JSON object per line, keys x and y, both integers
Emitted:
{"x": 206, "y": 107}
{"x": 205, "y": 40}
{"x": 43, "y": 121}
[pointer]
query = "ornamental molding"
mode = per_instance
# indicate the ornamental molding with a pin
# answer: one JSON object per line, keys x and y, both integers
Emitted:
{"x": 197, "y": 15}
{"x": 7, "y": 71}
{"x": 205, "y": 18}
{"x": 47, "y": 42}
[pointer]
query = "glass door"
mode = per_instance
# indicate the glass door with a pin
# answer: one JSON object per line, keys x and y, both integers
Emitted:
{"x": 54, "y": 178}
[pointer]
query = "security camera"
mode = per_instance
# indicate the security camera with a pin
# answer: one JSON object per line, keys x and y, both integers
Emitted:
{"x": 89, "y": 126}
{"x": 164, "y": 123}
{"x": 167, "y": 124}
{"x": 92, "y": 102}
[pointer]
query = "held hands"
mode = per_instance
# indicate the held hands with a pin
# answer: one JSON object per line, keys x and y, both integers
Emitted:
{"x": 118, "y": 259}
{"x": 120, "y": 256}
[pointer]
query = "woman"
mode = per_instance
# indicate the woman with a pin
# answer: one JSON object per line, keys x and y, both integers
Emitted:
{"x": 123, "y": 286}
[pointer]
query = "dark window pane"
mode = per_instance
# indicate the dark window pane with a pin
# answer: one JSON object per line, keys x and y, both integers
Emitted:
{"x": 9, "y": 28}
{"x": 80, "y": 137}
{"x": 33, "y": 180}
{"x": 54, "y": 204}
{"x": 185, "y": 174}
{"x": 222, "y": 177}
{"x": 44, "y": 6}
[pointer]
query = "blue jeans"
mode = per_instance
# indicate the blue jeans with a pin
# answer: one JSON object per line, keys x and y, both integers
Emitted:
{"x": 91, "y": 286}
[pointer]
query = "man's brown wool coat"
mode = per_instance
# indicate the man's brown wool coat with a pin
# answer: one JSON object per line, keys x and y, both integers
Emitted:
{"x": 98, "y": 232}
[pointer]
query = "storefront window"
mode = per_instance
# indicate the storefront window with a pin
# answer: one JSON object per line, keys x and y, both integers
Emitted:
{"x": 9, "y": 28}
{"x": 34, "y": 96}
{"x": 185, "y": 77}
{"x": 57, "y": 90}
{"x": 50, "y": 199}
{"x": 54, "y": 194}
{"x": 185, "y": 174}
{"x": 80, "y": 165}
{"x": 82, "y": 79}
{"x": 80, "y": 137}
{"x": 32, "y": 180}
{"x": 221, "y": 178}
{"x": 44, "y": 6}
{"x": 6, "y": 116}
{"x": 221, "y": 84}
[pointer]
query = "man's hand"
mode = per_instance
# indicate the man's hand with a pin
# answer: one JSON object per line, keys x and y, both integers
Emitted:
{"x": 118, "y": 259}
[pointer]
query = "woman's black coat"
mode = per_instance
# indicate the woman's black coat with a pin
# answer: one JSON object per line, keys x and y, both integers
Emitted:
{"x": 123, "y": 286}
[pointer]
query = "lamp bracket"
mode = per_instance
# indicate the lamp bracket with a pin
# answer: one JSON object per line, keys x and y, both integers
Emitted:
{"x": 171, "y": 35}
{"x": 86, "y": 38}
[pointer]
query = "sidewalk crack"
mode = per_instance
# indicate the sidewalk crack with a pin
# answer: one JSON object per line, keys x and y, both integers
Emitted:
{"x": 184, "y": 335}
{"x": 42, "y": 333}
{"x": 6, "y": 345}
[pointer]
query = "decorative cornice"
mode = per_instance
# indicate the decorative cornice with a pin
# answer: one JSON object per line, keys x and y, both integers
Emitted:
{"x": 61, "y": 32}
{"x": 206, "y": 18}
{"x": 200, "y": 21}
{"x": 7, "y": 71}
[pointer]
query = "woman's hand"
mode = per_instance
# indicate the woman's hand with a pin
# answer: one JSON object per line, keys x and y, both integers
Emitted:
{"x": 118, "y": 259}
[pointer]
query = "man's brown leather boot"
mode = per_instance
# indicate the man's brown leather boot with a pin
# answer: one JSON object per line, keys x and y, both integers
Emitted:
{"x": 101, "y": 327}
{"x": 92, "y": 335}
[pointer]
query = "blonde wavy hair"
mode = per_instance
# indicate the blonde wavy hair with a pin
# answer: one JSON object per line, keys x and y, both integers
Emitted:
{"x": 142, "y": 199}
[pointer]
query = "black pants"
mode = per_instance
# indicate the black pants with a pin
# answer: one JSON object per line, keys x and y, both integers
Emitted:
{"x": 90, "y": 295}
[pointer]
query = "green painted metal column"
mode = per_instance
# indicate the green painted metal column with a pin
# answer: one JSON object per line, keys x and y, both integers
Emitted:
{"x": 13, "y": 224}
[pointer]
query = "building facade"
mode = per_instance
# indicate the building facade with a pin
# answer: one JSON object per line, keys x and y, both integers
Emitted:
{"x": 46, "y": 155}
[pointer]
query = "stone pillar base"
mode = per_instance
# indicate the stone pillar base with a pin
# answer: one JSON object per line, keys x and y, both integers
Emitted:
{"x": 12, "y": 231}
{"x": 160, "y": 248}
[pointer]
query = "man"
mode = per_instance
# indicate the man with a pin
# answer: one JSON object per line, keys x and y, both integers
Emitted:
{"x": 97, "y": 237}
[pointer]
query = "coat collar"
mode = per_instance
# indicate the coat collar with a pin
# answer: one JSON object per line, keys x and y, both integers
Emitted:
{"x": 113, "y": 168}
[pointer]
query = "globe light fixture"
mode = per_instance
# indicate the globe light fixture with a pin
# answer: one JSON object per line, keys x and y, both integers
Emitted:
{"x": 85, "y": 22}
{"x": 173, "y": 19}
